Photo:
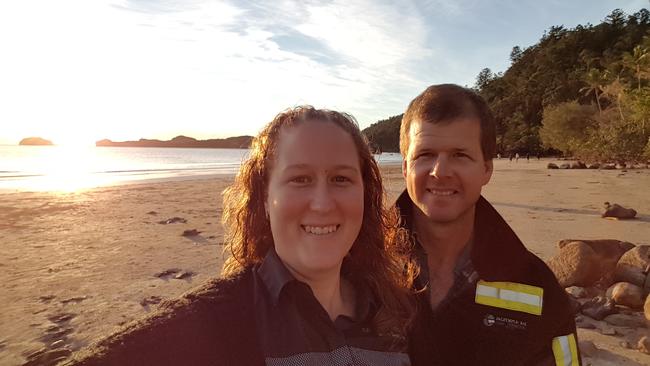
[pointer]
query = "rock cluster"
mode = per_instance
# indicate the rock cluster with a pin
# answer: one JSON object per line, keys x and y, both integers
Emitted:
{"x": 605, "y": 166}
{"x": 609, "y": 284}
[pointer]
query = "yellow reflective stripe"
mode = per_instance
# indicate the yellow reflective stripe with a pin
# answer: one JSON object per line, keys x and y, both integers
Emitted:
{"x": 565, "y": 350}
{"x": 510, "y": 295}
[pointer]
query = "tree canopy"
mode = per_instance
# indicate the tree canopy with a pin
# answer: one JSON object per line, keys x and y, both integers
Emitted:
{"x": 583, "y": 92}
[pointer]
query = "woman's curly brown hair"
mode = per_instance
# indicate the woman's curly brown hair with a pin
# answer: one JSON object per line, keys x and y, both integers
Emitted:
{"x": 376, "y": 259}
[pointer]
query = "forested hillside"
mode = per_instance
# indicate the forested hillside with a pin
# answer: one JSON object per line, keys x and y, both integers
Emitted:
{"x": 584, "y": 92}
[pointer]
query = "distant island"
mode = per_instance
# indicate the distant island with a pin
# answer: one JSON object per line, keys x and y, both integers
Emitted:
{"x": 238, "y": 142}
{"x": 35, "y": 141}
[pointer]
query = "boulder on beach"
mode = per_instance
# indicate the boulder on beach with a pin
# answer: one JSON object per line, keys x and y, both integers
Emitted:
{"x": 576, "y": 264}
{"x": 609, "y": 166}
{"x": 598, "y": 308}
{"x": 627, "y": 294}
{"x": 578, "y": 165}
{"x": 633, "y": 266}
{"x": 593, "y": 166}
{"x": 633, "y": 320}
{"x": 587, "y": 261}
{"x": 565, "y": 166}
{"x": 617, "y": 211}
{"x": 644, "y": 345}
{"x": 551, "y": 166}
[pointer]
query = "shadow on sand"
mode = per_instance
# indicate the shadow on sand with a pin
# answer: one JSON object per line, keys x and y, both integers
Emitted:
{"x": 642, "y": 218}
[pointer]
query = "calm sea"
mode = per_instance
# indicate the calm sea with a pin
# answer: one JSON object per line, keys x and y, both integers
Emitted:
{"x": 70, "y": 168}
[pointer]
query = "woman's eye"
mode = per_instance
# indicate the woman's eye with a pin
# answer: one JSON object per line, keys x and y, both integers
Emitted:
{"x": 341, "y": 179}
{"x": 300, "y": 180}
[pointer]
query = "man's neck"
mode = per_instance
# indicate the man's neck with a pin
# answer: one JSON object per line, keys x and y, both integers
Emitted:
{"x": 443, "y": 242}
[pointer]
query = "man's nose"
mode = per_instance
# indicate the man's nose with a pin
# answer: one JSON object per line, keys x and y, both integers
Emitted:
{"x": 440, "y": 168}
{"x": 321, "y": 200}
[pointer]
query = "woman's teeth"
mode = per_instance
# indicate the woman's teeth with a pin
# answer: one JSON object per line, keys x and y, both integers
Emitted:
{"x": 320, "y": 230}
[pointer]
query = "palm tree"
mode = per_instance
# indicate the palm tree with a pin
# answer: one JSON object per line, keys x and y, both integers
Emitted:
{"x": 594, "y": 80}
{"x": 636, "y": 61}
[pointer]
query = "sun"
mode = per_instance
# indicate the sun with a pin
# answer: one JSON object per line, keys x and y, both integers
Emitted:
{"x": 74, "y": 139}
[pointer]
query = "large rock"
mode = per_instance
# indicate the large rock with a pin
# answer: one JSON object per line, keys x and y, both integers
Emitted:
{"x": 646, "y": 308}
{"x": 627, "y": 294}
{"x": 551, "y": 166}
{"x": 634, "y": 320}
{"x": 617, "y": 211}
{"x": 598, "y": 308}
{"x": 644, "y": 345}
{"x": 585, "y": 262}
{"x": 578, "y": 165}
{"x": 608, "y": 166}
{"x": 576, "y": 264}
{"x": 565, "y": 166}
{"x": 594, "y": 166}
{"x": 633, "y": 266}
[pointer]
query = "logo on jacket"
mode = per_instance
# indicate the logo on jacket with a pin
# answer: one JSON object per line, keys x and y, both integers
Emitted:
{"x": 488, "y": 320}
{"x": 501, "y": 321}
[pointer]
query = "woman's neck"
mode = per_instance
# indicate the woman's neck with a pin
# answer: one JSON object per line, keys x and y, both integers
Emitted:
{"x": 335, "y": 294}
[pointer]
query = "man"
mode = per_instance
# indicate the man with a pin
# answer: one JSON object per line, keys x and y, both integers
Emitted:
{"x": 486, "y": 299}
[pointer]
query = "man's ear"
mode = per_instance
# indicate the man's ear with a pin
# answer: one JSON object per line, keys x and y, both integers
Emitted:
{"x": 489, "y": 168}
{"x": 404, "y": 168}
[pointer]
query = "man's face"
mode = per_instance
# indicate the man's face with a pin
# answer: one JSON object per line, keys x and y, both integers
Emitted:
{"x": 444, "y": 168}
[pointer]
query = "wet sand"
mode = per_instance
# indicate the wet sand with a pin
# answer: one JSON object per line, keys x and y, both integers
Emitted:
{"x": 73, "y": 266}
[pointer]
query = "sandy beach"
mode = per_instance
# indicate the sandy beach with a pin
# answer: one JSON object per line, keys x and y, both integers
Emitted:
{"x": 73, "y": 266}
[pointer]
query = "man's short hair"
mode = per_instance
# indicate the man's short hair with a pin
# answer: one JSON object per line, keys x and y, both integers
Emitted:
{"x": 446, "y": 103}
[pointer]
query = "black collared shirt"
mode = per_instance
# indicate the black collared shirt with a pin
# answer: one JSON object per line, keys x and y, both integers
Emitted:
{"x": 294, "y": 329}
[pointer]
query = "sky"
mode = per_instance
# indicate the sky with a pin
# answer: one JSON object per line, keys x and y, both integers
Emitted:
{"x": 79, "y": 71}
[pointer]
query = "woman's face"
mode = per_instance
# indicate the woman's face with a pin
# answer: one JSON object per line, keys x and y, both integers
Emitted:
{"x": 315, "y": 198}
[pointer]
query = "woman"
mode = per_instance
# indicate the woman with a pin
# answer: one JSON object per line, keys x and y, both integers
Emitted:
{"x": 314, "y": 275}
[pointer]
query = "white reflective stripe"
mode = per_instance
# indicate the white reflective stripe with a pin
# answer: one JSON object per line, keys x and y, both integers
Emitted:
{"x": 509, "y": 295}
{"x": 521, "y": 297}
{"x": 487, "y": 291}
{"x": 566, "y": 350}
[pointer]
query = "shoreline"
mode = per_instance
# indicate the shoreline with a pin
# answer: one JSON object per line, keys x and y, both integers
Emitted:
{"x": 75, "y": 265}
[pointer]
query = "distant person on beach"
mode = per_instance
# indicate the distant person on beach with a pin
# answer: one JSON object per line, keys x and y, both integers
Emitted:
{"x": 315, "y": 275}
{"x": 486, "y": 300}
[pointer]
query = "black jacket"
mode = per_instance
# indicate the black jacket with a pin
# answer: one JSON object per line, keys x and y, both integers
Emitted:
{"x": 211, "y": 325}
{"x": 465, "y": 330}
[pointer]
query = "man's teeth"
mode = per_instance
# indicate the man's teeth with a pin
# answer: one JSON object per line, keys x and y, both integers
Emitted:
{"x": 442, "y": 192}
{"x": 320, "y": 230}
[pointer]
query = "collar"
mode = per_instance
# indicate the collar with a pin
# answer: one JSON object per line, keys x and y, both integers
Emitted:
{"x": 496, "y": 253}
{"x": 276, "y": 276}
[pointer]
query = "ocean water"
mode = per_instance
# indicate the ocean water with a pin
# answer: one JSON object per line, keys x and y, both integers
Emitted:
{"x": 44, "y": 168}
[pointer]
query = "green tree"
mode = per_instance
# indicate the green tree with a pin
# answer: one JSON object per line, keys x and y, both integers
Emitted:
{"x": 567, "y": 126}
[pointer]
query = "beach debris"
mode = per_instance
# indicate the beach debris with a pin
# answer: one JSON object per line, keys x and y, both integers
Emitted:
{"x": 578, "y": 165}
{"x": 191, "y": 232}
{"x": 61, "y": 318}
{"x": 150, "y": 300}
{"x": 565, "y": 166}
{"x": 152, "y": 213}
{"x": 634, "y": 265}
{"x": 633, "y": 320}
{"x": 587, "y": 348}
{"x": 617, "y": 211}
{"x": 598, "y": 308}
{"x": 551, "y": 166}
{"x": 183, "y": 275}
{"x": 593, "y": 166}
{"x": 46, "y": 298}
{"x": 76, "y": 299}
{"x": 644, "y": 345}
{"x": 47, "y": 357}
{"x": 626, "y": 294}
{"x": 167, "y": 273}
{"x": 173, "y": 220}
